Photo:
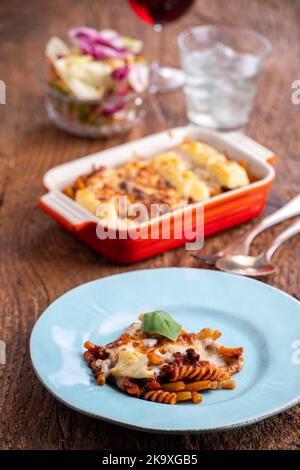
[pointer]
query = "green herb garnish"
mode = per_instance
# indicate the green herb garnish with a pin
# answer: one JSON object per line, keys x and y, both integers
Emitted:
{"x": 161, "y": 323}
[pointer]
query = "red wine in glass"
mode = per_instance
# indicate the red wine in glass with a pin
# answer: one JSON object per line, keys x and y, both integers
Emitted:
{"x": 158, "y": 13}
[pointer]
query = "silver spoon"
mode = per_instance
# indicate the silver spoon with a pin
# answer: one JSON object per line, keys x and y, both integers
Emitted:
{"x": 242, "y": 244}
{"x": 257, "y": 265}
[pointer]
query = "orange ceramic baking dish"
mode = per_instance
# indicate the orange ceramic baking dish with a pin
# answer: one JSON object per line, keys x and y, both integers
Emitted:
{"x": 220, "y": 212}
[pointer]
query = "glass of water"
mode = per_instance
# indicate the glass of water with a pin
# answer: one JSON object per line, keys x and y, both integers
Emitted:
{"x": 221, "y": 66}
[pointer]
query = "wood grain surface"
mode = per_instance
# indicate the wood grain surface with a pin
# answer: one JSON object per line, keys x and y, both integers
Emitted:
{"x": 40, "y": 261}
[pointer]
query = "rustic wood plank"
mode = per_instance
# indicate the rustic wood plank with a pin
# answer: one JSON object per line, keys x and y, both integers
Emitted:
{"x": 40, "y": 261}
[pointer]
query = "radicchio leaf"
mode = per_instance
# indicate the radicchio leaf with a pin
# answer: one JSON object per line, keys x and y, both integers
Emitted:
{"x": 94, "y": 43}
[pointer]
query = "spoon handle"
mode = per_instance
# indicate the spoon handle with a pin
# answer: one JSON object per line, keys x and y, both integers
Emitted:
{"x": 290, "y": 209}
{"x": 242, "y": 244}
{"x": 285, "y": 235}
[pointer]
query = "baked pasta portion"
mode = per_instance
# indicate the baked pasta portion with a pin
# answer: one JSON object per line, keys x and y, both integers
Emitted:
{"x": 151, "y": 366}
{"x": 189, "y": 173}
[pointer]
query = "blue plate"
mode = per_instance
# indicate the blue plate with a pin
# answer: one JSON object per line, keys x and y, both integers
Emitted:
{"x": 264, "y": 320}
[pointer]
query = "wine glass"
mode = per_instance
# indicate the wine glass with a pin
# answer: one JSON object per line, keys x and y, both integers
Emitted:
{"x": 158, "y": 13}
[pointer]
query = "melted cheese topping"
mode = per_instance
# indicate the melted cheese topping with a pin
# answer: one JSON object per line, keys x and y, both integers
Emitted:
{"x": 209, "y": 353}
{"x": 191, "y": 172}
{"x": 130, "y": 355}
{"x": 131, "y": 364}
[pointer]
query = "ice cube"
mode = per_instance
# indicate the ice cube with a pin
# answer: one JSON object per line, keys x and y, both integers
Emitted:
{"x": 224, "y": 52}
{"x": 198, "y": 62}
{"x": 234, "y": 62}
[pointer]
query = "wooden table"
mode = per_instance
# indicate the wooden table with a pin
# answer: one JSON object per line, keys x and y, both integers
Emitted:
{"x": 40, "y": 261}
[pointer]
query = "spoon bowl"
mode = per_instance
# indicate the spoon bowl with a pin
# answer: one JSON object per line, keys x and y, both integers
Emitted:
{"x": 245, "y": 265}
{"x": 257, "y": 265}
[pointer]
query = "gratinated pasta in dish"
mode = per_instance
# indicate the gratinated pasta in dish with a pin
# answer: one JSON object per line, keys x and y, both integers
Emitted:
{"x": 190, "y": 173}
{"x": 157, "y": 360}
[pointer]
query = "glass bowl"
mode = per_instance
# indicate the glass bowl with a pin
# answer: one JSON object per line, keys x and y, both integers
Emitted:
{"x": 93, "y": 118}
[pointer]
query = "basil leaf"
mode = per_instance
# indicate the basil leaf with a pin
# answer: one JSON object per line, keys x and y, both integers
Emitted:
{"x": 161, "y": 323}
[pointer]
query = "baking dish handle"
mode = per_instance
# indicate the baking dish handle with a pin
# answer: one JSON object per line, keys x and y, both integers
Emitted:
{"x": 246, "y": 143}
{"x": 65, "y": 210}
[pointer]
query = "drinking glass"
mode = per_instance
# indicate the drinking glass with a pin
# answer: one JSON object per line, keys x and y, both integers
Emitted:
{"x": 158, "y": 13}
{"x": 222, "y": 66}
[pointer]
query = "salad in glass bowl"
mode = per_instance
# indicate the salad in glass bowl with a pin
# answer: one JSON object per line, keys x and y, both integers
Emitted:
{"x": 95, "y": 87}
